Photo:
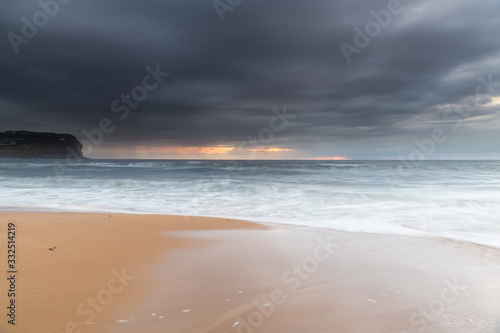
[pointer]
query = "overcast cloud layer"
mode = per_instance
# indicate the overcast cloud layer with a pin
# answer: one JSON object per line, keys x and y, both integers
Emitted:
{"x": 227, "y": 76}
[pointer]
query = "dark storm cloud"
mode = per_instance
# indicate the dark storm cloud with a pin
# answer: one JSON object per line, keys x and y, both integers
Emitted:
{"x": 225, "y": 77}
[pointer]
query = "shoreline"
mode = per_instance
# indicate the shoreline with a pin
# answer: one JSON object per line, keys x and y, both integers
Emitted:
{"x": 484, "y": 239}
{"x": 204, "y": 274}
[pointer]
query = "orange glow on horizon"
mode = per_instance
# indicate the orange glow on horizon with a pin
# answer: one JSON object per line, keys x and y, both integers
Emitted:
{"x": 271, "y": 149}
{"x": 221, "y": 151}
{"x": 330, "y": 158}
{"x": 210, "y": 150}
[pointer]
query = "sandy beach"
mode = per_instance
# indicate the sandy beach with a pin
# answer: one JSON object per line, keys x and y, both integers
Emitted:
{"x": 83, "y": 272}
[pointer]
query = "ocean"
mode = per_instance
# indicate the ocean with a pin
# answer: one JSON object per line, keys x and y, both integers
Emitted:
{"x": 456, "y": 199}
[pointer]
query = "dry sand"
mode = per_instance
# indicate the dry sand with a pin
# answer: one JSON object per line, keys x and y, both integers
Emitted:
{"x": 155, "y": 273}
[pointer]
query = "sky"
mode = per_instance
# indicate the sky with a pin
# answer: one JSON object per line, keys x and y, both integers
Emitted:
{"x": 274, "y": 79}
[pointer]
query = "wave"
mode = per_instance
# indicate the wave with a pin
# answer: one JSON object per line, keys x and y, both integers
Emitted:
{"x": 344, "y": 165}
{"x": 441, "y": 199}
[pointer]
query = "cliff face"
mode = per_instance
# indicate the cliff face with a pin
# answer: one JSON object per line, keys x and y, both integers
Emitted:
{"x": 22, "y": 144}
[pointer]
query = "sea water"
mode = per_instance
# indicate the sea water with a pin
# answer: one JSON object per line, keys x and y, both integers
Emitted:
{"x": 458, "y": 199}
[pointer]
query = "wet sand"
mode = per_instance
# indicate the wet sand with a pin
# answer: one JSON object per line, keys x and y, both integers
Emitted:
{"x": 82, "y": 272}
